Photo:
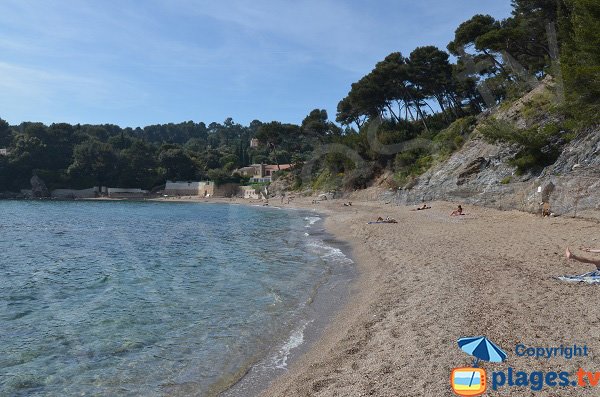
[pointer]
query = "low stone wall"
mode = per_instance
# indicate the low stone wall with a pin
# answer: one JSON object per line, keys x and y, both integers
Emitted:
{"x": 126, "y": 193}
{"x": 226, "y": 190}
{"x": 73, "y": 194}
{"x": 179, "y": 188}
{"x": 249, "y": 192}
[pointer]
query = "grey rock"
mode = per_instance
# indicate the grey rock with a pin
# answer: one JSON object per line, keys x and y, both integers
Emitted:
{"x": 38, "y": 188}
{"x": 477, "y": 174}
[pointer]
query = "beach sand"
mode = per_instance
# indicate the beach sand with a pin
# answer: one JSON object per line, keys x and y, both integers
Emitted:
{"x": 431, "y": 279}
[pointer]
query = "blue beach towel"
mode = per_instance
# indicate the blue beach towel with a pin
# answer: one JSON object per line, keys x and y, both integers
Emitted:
{"x": 590, "y": 278}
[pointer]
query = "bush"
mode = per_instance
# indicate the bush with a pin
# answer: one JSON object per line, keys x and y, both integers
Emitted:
{"x": 221, "y": 177}
{"x": 540, "y": 105}
{"x": 452, "y": 138}
{"x": 539, "y": 146}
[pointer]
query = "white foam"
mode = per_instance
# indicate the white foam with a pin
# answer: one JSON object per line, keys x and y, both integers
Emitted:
{"x": 276, "y": 298}
{"x": 279, "y": 361}
{"x": 312, "y": 220}
{"x": 328, "y": 252}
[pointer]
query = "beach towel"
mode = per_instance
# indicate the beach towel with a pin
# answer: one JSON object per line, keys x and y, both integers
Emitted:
{"x": 590, "y": 278}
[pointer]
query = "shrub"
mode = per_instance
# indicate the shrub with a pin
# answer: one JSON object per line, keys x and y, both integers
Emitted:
{"x": 538, "y": 146}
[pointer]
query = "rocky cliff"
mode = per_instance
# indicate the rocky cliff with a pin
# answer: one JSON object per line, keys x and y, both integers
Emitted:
{"x": 480, "y": 173}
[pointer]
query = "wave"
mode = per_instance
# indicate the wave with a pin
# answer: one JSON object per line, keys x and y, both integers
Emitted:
{"x": 296, "y": 339}
{"x": 329, "y": 252}
{"x": 312, "y": 220}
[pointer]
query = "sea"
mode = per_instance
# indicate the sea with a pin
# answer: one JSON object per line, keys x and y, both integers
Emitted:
{"x": 123, "y": 298}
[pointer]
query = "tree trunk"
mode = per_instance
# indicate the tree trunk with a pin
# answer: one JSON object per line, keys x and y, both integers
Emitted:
{"x": 495, "y": 61}
{"x": 392, "y": 113}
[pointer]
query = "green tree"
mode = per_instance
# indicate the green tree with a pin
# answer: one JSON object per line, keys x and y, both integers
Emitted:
{"x": 475, "y": 34}
{"x": 177, "y": 163}
{"x": 5, "y": 174}
{"x": 5, "y": 134}
{"x": 93, "y": 162}
{"x": 317, "y": 126}
{"x": 431, "y": 72}
{"x": 138, "y": 166}
{"x": 580, "y": 57}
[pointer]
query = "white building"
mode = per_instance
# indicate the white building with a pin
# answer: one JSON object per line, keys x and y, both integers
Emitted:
{"x": 261, "y": 172}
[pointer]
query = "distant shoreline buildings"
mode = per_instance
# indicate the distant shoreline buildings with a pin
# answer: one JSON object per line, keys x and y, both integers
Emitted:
{"x": 261, "y": 173}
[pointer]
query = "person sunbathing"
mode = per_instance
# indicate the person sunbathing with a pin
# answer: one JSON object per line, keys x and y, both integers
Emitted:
{"x": 386, "y": 220}
{"x": 424, "y": 207}
{"x": 457, "y": 211}
{"x": 582, "y": 259}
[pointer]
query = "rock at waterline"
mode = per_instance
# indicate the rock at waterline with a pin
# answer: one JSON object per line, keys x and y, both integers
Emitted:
{"x": 38, "y": 187}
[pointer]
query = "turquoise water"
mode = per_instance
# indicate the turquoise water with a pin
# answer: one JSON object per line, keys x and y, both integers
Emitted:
{"x": 127, "y": 298}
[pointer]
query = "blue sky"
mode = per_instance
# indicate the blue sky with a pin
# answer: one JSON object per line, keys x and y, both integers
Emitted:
{"x": 140, "y": 62}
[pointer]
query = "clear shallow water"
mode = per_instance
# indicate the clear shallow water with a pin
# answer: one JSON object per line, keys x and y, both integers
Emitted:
{"x": 125, "y": 298}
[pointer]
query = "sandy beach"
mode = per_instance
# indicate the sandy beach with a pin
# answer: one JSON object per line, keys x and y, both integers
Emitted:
{"x": 431, "y": 279}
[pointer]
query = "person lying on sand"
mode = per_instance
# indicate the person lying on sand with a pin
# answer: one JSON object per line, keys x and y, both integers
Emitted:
{"x": 349, "y": 204}
{"x": 387, "y": 220}
{"x": 590, "y": 250}
{"x": 570, "y": 255}
{"x": 457, "y": 211}
{"x": 424, "y": 207}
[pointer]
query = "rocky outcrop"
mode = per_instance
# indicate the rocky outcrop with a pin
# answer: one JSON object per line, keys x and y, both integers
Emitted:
{"x": 281, "y": 185}
{"x": 38, "y": 188}
{"x": 576, "y": 176}
{"x": 473, "y": 168}
{"x": 480, "y": 173}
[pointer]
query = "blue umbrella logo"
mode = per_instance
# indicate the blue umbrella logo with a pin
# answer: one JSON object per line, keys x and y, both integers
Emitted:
{"x": 482, "y": 348}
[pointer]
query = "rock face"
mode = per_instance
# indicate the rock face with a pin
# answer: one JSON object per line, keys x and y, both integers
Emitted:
{"x": 576, "y": 175}
{"x": 479, "y": 174}
{"x": 38, "y": 188}
{"x": 281, "y": 185}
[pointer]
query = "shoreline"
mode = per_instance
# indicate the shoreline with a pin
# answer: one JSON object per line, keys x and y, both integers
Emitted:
{"x": 329, "y": 298}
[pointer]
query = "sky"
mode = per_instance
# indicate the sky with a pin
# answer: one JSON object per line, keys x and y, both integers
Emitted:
{"x": 140, "y": 62}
